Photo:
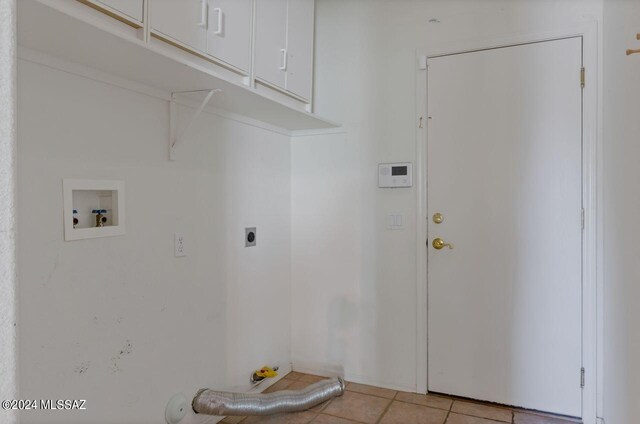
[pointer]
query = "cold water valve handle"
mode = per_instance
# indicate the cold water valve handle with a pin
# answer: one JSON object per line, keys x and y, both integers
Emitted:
{"x": 101, "y": 219}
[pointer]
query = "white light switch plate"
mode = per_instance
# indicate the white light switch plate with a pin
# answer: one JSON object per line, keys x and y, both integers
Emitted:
{"x": 179, "y": 245}
{"x": 395, "y": 221}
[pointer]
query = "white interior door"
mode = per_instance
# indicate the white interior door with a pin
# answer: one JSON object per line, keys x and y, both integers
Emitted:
{"x": 504, "y": 170}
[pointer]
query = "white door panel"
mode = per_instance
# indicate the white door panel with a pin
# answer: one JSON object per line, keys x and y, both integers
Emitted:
{"x": 271, "y": 41}
{"x": 504, "y": 168}
{"x": 132, "y": 8}
{"x": 184, "y": 21}
{"x": 300, "y": 47}
{"x": 229, "y": 35}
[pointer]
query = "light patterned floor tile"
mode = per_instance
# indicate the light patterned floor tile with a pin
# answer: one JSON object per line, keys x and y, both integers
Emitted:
{"x": 308, "y": 378}
{"x": 357, "y": 407}
{"x": 297, "y": 385}
{"x": 291, "y": 418}
{"x": 232, "y": 420}
{"x": 369, "y": 404}
{"x": 371, "y": 390}
{"x": 409, "y": 413}
{"x": 294, "y": 375}
{"x": 433, "y": 401}
{"x": 482, "y": 411}
{"x": 328, "y": 419}
{"x": 523, "y": 418}
{"x": 280, "y": 385}
{"x": 466, "y": 419}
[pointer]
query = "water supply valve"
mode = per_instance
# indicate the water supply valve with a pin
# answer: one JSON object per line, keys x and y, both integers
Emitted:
{"x": 101, "y": 219}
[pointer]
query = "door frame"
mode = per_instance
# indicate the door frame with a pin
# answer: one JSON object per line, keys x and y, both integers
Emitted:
{"x": 592, "y": 187}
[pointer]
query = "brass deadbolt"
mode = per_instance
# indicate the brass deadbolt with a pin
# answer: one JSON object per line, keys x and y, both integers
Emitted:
{"x": 438, "y": 218}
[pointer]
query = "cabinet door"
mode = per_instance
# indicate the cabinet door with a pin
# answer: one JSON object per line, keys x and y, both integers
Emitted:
{"x": 131, "y": 8}
{"x": 229, "y": 34}
{"x": 184, "y": 21}
{"x": 271, "y": 41}
{"x": 300, "y": 23}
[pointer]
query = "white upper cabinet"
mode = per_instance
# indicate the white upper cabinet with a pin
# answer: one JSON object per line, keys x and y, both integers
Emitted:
{"x": 229, "y": 32}
{"x": 271, "y": 41}
{"x": 220, "y": 28}
{"x": 284, "y": 44}
{"x": 300, "y": 47}
{"x": 184, "y": 21}
{"x": 131, "y": 8}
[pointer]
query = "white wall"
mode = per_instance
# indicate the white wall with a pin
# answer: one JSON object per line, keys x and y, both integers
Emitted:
{"x": 354, "y": 282}
{"x": 119, "y": 321}
{"x": 622, "y": 208}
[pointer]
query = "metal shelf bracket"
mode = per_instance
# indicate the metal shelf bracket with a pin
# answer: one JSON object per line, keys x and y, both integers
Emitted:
{"x": 174, "y": 137}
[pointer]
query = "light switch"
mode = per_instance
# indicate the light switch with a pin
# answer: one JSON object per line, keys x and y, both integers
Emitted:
{"x": 395, "y": 221}
{"x": 391, "y": 221}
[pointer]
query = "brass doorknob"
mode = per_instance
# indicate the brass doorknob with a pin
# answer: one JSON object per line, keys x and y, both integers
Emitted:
{"x": 438, "y": 244}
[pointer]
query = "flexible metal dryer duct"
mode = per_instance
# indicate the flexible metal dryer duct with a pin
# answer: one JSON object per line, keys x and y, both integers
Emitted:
{"x": 210, "y": 402}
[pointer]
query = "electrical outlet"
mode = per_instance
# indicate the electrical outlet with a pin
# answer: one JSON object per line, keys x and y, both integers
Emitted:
{"x": 250, "y": 235}
{"x": 179, "y": 245}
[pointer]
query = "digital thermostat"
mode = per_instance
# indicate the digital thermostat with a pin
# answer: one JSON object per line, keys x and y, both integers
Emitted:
{"x": 394, "y": 175}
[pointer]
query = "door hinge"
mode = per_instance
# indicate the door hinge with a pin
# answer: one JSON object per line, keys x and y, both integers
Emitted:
{"x": 582, "y": 77}
{"x": 582, "y": 378}
{"x": 582, "y": 218}
{"x": 422, "y": 63}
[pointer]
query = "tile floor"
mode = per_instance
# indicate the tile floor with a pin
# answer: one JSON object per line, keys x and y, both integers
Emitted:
{"x": 373, "y": 405}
